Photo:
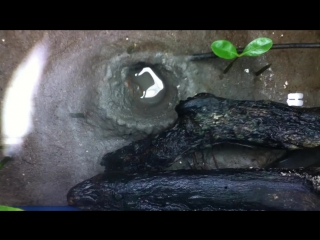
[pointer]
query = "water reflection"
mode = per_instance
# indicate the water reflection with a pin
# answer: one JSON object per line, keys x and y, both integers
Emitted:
{"x": 18, "y": 106}
{"x": 153, "y": 90}
{"x": 150, "y": 85}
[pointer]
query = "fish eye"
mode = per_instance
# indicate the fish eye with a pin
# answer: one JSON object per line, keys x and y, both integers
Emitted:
{"x": 117, "y": 196}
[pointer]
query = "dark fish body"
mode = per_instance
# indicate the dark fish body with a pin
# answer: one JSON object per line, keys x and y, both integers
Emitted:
{"x": 206, "y": 120}
{"x": 186, "y": 190}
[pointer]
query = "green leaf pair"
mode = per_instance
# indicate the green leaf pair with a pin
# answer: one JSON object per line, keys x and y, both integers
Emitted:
{"x": 225, "y": 49}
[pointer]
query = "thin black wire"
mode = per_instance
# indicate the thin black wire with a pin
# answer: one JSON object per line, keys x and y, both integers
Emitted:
{"x": 203, "y": 56}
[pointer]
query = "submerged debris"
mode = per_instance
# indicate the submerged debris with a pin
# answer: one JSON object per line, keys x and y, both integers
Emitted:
{"x": 77, "y": 115}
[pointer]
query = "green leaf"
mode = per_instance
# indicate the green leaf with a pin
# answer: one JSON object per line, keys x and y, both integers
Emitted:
{"x": 257, "y": 47}
{"x": 224, "y": 49}
{"x": 5, "y": 208}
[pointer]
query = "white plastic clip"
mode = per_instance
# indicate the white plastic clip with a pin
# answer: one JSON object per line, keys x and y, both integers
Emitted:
{"x": 295, "y": 99}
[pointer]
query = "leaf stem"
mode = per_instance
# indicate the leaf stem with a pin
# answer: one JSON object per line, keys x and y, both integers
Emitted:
{"x": 262, "y": 70}
{"x": 229, "y": 66}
